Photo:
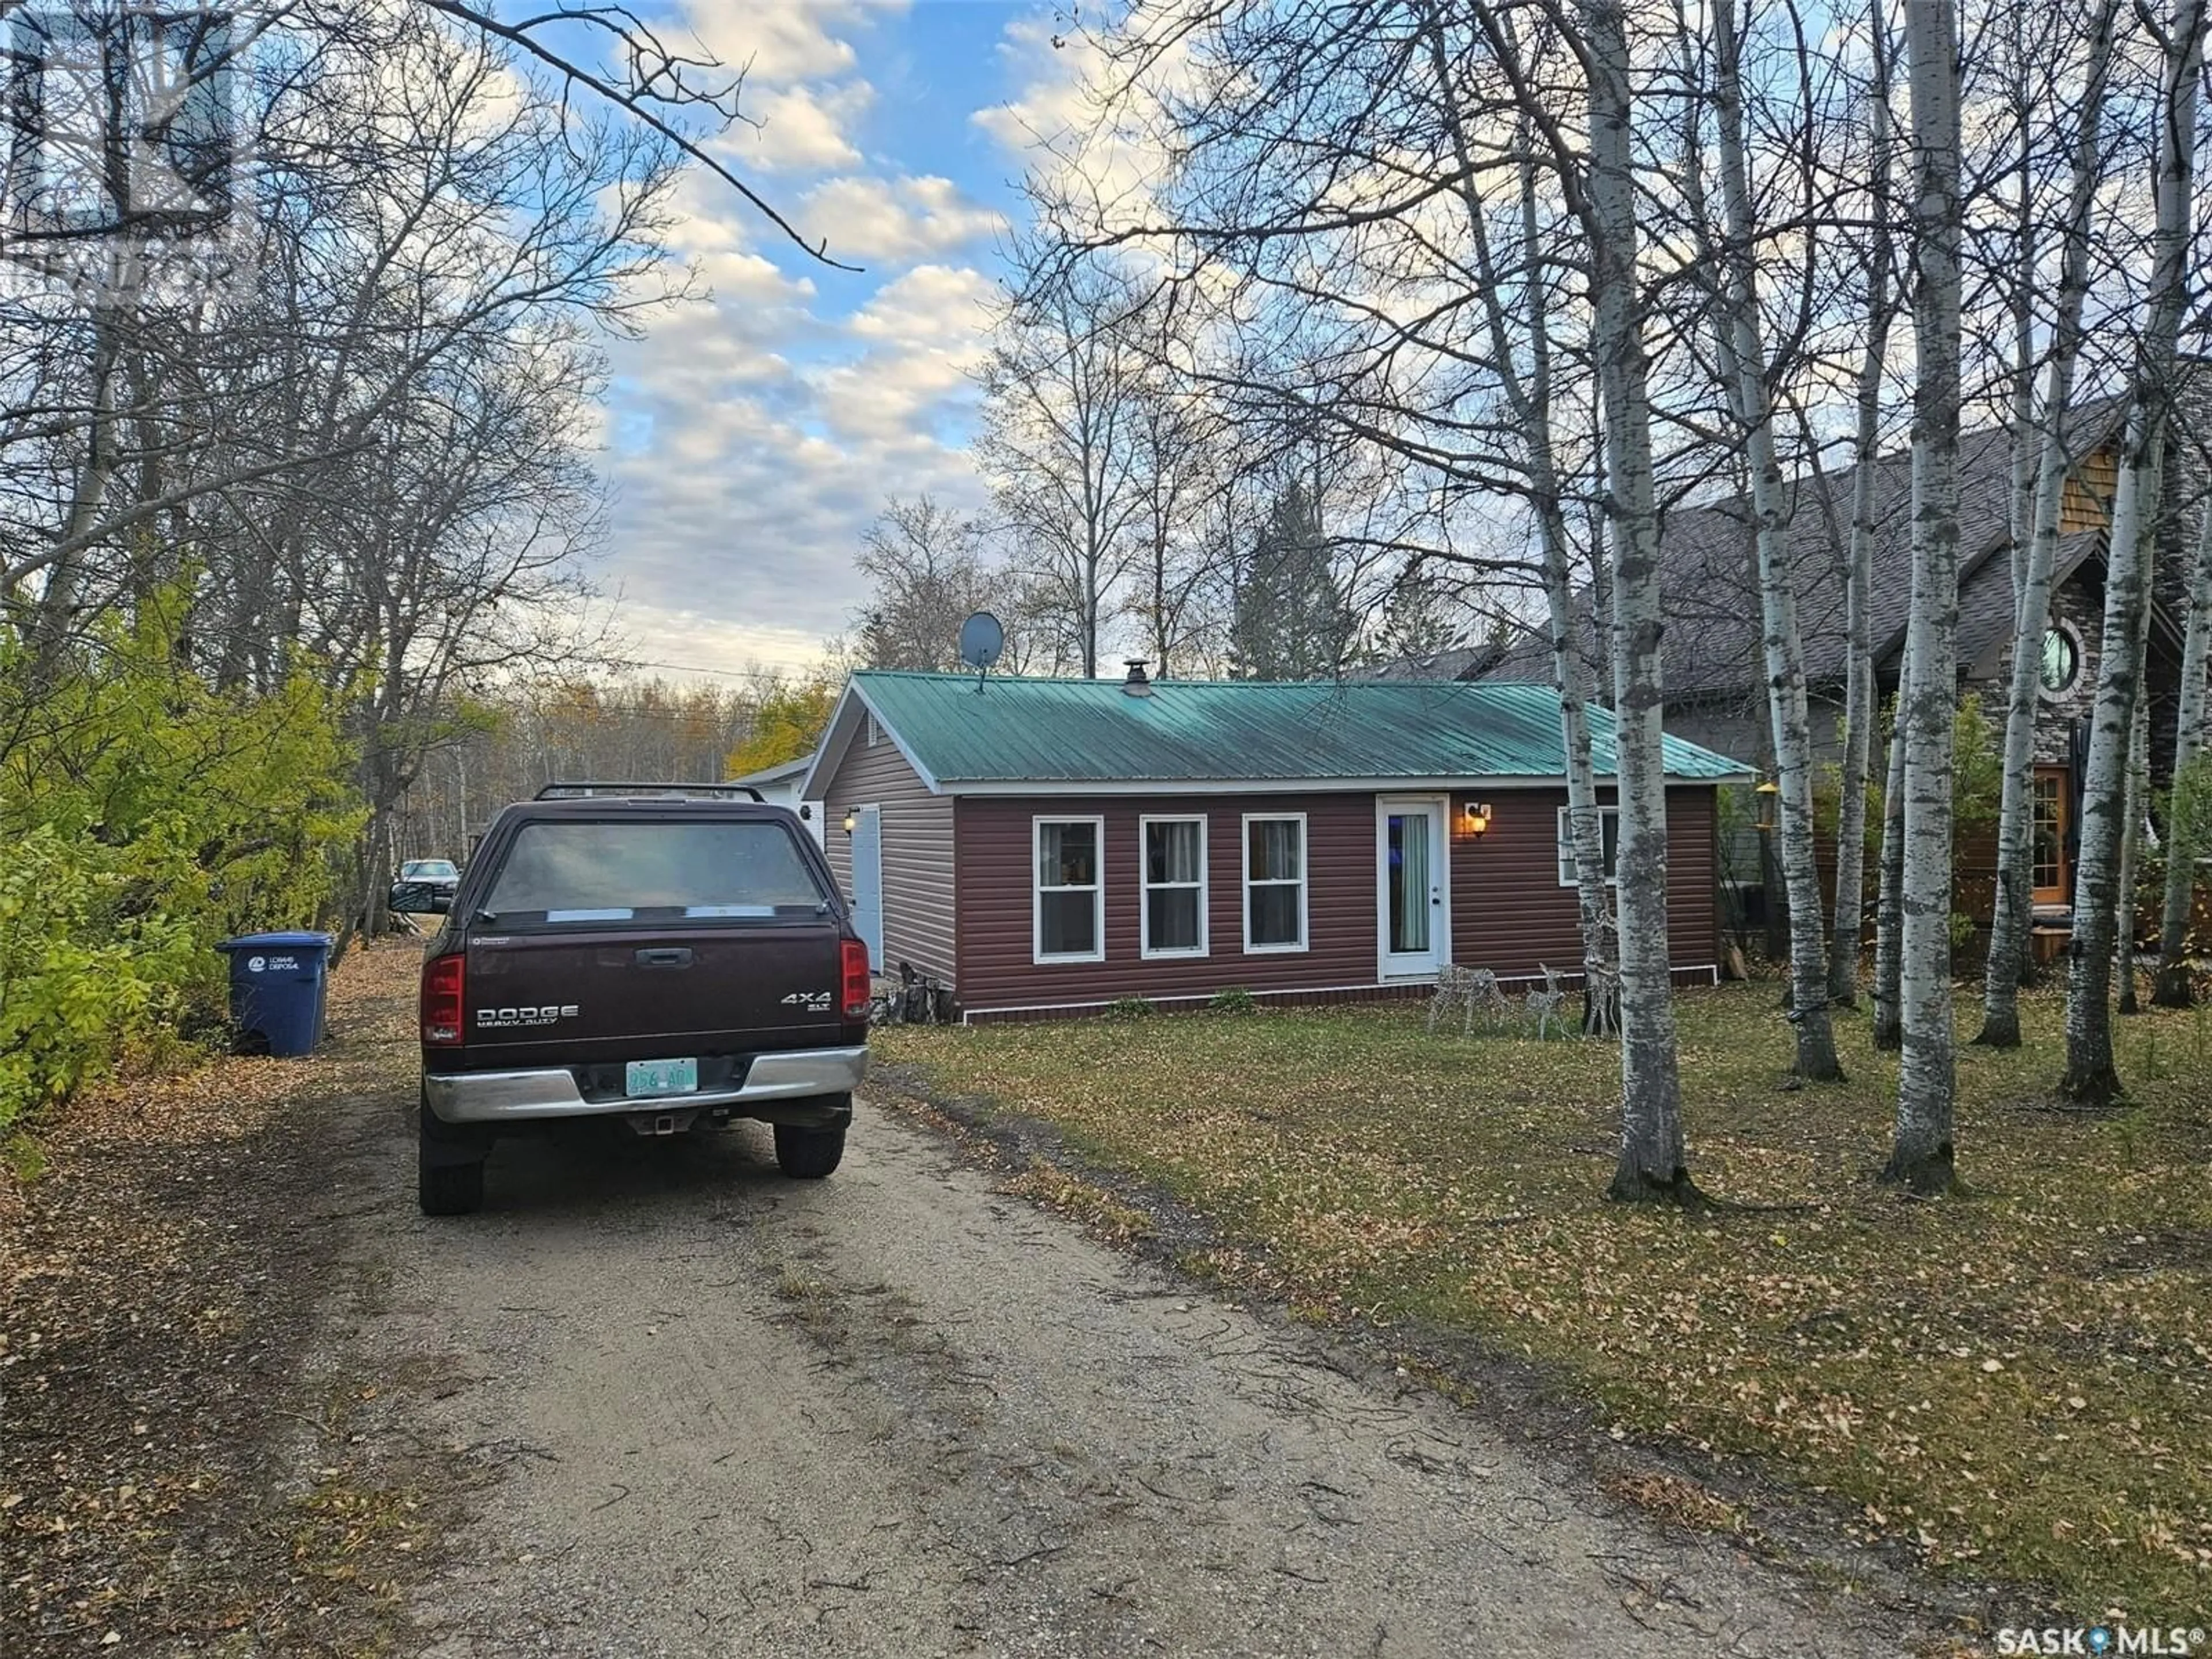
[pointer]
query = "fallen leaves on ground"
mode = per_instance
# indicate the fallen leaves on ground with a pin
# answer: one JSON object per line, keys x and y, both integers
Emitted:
{"x": 2015, "y": 1380}
{"x": 151, "y": 1304}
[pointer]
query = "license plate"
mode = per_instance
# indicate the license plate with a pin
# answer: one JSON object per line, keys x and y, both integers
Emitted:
{"x": 661, "y": 1077}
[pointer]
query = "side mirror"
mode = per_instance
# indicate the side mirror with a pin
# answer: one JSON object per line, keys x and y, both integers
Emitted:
{"x": 418, "y": 898}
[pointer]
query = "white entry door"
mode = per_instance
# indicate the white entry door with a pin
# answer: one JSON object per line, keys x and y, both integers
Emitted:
{"x": 1413, "y": 904}
{"x": 868, "y": 882}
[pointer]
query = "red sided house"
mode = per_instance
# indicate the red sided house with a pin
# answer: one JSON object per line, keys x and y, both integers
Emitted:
{"x": 1048, "y": 846}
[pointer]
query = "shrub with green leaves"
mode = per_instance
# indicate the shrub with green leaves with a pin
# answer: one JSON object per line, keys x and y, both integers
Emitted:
{"x": 148, "y": 815}
{"x": 80, "y": 973}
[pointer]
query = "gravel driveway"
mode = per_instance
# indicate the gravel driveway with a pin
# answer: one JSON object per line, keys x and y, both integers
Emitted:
{"x": 897, "y": 1412}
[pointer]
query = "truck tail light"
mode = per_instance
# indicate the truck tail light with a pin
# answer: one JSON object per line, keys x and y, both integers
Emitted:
{"x": 444, "y": 979}
{"x": 857, "y": 986}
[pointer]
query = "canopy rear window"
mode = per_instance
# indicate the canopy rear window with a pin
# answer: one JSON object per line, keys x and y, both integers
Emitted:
{"x": 582, "y": 871}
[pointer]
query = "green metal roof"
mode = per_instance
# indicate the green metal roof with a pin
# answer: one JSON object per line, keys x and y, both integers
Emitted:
{"x": 1063, "y": 731}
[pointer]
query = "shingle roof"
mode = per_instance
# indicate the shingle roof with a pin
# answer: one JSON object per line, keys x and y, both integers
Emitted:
{"x": 1711, "y": 587}
{"x": 1985, "y": 596}
{"x": 1061, "y": 732}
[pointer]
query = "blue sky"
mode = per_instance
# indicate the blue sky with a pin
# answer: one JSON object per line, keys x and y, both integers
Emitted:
{"x": 752, "y": 438}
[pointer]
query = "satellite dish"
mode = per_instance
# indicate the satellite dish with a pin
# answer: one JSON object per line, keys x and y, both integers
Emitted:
{"x": 981, "y": 640}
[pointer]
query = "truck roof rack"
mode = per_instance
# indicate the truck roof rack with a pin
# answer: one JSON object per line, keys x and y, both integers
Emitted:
{"x": 585, "y": 788}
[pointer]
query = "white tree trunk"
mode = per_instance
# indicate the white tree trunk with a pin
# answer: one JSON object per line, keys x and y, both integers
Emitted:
{"x": 1742, "y": 353}
{"x": 1922, "y": 1157}
{"x": 1859, "y": 709}
{"x": 2172, "y": 989}
{"x": 2138, "y": 791}
{"x": 2091, "y": 1078}
{"x": 1585, "y": 822}
{"x": 2014, "y": 915}
{"x": 1889, "y": 907}
{"x": 1529, "y": 400}
{"x": 1653, "y": 1160}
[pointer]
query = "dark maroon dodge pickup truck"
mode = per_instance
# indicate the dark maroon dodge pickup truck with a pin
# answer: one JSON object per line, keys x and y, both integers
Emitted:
{"x": 660, "y": 954}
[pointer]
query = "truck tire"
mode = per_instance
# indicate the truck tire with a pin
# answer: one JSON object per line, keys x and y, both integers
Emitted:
{"x": 449, "y": 1168}
{"x": 808, "y": 1154}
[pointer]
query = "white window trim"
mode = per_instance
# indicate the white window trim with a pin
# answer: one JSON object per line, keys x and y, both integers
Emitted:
{"x": 2056, "y": 694}
{"x": 1038, "y": 889}
{"x": 1563, "y": 848}
{"x": 1145, "y": 886}
{"x": 875, "y": 731}
{"x": 1305, "y": 883}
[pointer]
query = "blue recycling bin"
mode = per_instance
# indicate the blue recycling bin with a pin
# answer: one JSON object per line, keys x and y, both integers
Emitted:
{"x": 276, "y": 985}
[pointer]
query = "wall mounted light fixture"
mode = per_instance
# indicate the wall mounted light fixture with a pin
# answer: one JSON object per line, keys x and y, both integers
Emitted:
{"x": 852, "y": 820}
{"x": 1477, "y": 820}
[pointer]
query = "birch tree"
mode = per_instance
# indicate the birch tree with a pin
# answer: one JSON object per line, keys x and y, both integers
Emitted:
{"x": 1920, "y": 1157}
{"x": 2009, "y": 926}
{"x": 2135, "y": 798}
{"x": 1518, "y": 332}
{"x": 1743, "y": 365}
{"x": 1861, "y": 714}
{"x": 2091, "y": 1078}
{"x": 2184, "y": 843}
{"x": 1888, "y": 1031}
{"x": 1653, "y": 1162}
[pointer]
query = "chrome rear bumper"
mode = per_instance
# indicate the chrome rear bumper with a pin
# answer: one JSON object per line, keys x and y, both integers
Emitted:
{"x": 551, "y": 1091}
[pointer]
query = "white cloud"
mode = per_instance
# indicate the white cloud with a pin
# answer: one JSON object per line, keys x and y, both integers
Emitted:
{"x": 934, "y": 303}
{"x": 753, "y": 438}
{"x": 801, "y": 129}
{"x": 894, "y": 221}
{"x": 1054, "y": 73}
{"x": 661, "y": 639}
{"x": 1111, "y": 160}
{"x": 755, "y": 446}
{"x": 912, "y": 385}
{"x": 779, "y": 41}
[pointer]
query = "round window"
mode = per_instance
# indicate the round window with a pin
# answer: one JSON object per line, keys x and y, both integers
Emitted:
{"x": 2061, "y": 660}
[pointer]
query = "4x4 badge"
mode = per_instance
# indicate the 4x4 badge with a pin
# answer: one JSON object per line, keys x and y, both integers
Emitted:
{"x": 810, "y": 1000}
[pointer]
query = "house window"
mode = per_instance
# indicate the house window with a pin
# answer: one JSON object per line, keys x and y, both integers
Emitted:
{"x": 2047, "y": 839}
{"x": 1071, "y": 894}
{"x": 1275, "y": 883}
{"x": 2061, "y": 660}
{"x": 1608, "y": 818}
{"x": 1174, "y": 863}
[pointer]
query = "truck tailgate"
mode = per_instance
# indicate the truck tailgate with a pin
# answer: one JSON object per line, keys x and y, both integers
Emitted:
{"x": 561, "y": 997}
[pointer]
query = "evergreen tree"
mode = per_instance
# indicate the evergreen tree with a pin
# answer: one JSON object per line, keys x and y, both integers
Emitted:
{"x": 1291, "y": 620}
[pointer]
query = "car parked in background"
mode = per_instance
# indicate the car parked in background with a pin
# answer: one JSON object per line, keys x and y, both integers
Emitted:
{"x": 424, "y": 886}
{"x": 661, "y": 956}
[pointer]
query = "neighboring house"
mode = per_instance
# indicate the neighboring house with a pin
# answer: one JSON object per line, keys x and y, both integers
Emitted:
{"x": 1056, "y": 845}
{"x": 780, "y": 786}
{"x": 1714, "y": 671}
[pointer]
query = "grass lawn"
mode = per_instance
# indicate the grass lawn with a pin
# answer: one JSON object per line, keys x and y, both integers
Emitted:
{"x": 2017, "y": 1380}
